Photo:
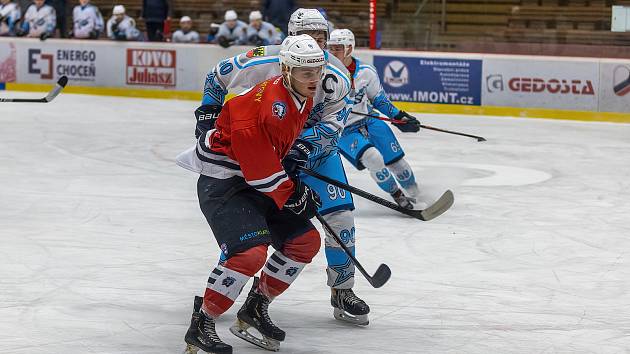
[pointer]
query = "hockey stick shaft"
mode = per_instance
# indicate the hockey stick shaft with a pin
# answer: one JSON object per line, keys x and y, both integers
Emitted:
{"x": 382, "y": 273}
{"x": 59, "y": 86}
{"x": 395, "y": 121}
{"x": 359, "y": 192}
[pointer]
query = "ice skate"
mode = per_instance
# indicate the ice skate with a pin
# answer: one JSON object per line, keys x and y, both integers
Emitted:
{"x": 348, "y": 307}
{"x": 201, "y": 334}
{"x": 401, "y": 199}
{"x": 254, "y": 314}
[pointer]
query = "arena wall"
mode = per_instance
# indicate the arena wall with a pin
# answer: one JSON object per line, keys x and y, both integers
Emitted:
{"x": 504, "y": 85}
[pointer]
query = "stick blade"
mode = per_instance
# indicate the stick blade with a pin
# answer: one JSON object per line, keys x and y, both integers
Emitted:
{"x": 381, "y": 276}
{"x": 436, "y": 209}
{"x": 481, "y": 139}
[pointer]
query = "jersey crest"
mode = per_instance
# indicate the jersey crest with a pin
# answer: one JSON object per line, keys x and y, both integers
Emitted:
{"x": 256, "y": 52}
{"x": 279, "y": 109}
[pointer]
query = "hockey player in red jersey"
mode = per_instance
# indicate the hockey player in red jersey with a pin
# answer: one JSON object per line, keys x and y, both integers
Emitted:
{"x": 250, "y": 202}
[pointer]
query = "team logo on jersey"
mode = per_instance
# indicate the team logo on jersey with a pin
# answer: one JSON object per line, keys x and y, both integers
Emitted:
{"x": 291, "y": 271}
{"x": 228, "y": 281}
{"x": 256, "y": 52}
{"x": 396, "y": 74}
{"x": 279, "y": 109}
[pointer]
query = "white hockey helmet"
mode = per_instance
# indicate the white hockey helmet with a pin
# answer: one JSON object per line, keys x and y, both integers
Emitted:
{"x": 255, "y": 15}
{"x": 118, "y": 10}
{"x": 301, "y": 51}
{"x": 307, "y": 20}
{"x": 230, "y": 15}
{"x": 343, "y": 37}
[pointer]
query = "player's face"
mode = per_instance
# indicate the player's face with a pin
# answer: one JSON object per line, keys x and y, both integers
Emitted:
{"x": 304, "y": 80}
{"x": 39, "y": 3}
{"x": 186, "y": 25}
{"x": 338, "y": 50}
{"x": 255, "y": 23}
{"x": 120, "y": 17}
{"x": 231, "y": 23}
{"x": 84, "y": 2}
{"x": 319, "y": 36}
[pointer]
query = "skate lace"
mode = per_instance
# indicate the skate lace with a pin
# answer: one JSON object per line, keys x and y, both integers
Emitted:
{"x": 209, "y": 330}
{"x": 264, "y": 312}
{"x": 350, "y": 298}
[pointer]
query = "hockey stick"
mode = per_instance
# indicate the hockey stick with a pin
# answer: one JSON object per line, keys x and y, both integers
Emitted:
{"x": 61, "y": 83}
{"x": 395, "y": 121}
{"x": 433, "y": 211}
{"x": 382, "y": 274}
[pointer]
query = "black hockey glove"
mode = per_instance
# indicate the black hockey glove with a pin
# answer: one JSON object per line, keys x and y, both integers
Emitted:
{"x": 304, "y": 201}
{"x": 206, "y": 117}
{"x": 410, "y": 125}
{"x": 296, "y": 158}
{"x": 93, "y": 34}
{"x": 224, "y": 42}
{"x": 44, "y": 36}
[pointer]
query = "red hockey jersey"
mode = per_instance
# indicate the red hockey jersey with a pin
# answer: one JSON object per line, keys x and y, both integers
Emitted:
{"x": 254, "y": 131}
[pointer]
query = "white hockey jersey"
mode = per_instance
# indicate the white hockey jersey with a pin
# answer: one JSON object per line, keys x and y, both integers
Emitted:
{"x": 236, "y": 34}
{"x": 86, "y": 19}
{"x": 189, "y": 37}
{"x": 10, "y": 14}
{"x": 124, "y": 30}
{"x": 39, "y": 20}
{"x": 368, "y": 92}
{"x": 331, "y": 104}
{"x": 267, "y": 33}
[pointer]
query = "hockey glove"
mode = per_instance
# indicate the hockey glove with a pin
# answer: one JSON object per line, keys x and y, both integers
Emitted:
{"x": 409, "y": 125}
{"x": 44, "y": 36}
{"x": 296, "y": 158}
{"x": 304, "y": 201}
{"x": 206, "y": 117}
{"x": 224, "y": 42}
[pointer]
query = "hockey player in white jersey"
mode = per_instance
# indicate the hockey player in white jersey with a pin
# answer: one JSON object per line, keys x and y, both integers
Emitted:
{"x": 260, "y": 32}
{"x": 121, "y": 27}
{"x": 88, "y": 21}
{"x": 369, "y": 142}
{"x": 316, "y": 147}
{"x": 185, "y": 34}
{"x": 10, "y": 14}
{"x": 232, "y": 31}
{"x": 39, "y": 21}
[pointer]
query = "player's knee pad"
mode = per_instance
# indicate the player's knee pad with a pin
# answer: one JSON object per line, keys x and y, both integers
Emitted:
{"x": 372, "y": 159}
{"x": 228, "y": 278}
{"x": 304, "y": 247}
{"x": 342, "y": 223}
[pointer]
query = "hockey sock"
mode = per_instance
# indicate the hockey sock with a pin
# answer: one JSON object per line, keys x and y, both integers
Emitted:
{"x": 284, "y": 266}
{"x": 404, "y": 176}
{"x": 373, "y": 160}
{"x": 340, "y": 268}
{"x": 227, "y": 279}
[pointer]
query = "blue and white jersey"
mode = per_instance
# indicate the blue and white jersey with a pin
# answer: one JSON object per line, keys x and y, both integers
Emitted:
{"x": 368, "y": 92}
{"x": 10, "y": 14}
{"x": 331, "y": 104}
{"x": 86, "y": 19}
{"x": 124, "y": 30}
{"x": 236, "y": 34}
{"x": 39, "y": 20}
{"x": 267, "y": 32}
{"x": 185, "y": 37}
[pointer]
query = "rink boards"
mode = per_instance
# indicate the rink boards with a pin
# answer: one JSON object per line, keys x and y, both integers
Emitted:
{"x": 508, "y": 85}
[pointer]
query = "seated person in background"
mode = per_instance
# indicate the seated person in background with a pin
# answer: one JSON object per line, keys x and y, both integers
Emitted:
{"x": 10, "y": 14}
{"x": 212, "y": 34}
{"x": 185, "y": 34}
{"x": 121, "y": 27}
{"x": 88, "y": 21}
{"x": 232, "y": 31}
{"x": 39, "y": 21}
{"x": 260, "y": 32}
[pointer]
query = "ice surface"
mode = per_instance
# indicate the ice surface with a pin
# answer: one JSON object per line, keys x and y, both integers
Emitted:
{"x": 102, "y": 245}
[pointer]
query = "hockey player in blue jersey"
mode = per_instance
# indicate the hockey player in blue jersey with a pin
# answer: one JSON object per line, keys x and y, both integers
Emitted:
{"x": 369, "y": 142}
{"x": 316, "y": 148}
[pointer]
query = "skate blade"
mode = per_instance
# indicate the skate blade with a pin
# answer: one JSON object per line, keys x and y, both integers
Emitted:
{"x": 359, "y": 320}
{"x": 190, "y": 349}
{"x": 239, "y": 329}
